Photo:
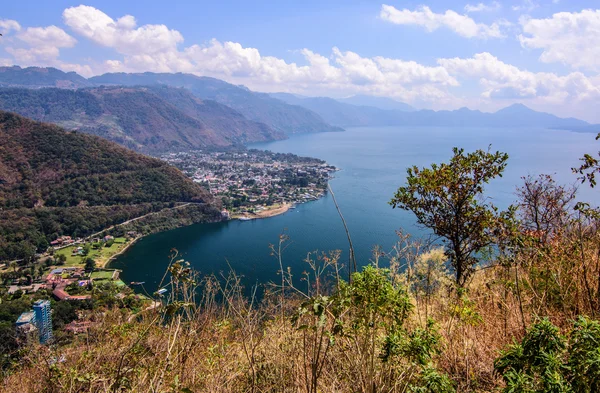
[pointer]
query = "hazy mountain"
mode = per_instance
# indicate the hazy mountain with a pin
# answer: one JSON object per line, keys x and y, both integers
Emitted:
{"x": 347, "y": 115}
{"x": 342, "y": 114}
{"x": 377, "y": 102}
{"x": 32, "y": 77}
{"x": 148, "y": 119}
{"x": 260, "y": 107}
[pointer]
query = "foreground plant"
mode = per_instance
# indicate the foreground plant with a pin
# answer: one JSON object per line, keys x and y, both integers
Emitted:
{"x": 547, "y": 361}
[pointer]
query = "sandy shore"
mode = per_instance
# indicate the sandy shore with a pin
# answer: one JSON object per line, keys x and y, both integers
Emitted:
{"x": 267, "y": 212}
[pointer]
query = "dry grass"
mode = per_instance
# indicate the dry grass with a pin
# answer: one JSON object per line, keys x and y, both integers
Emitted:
{"x": 213, "y": 339}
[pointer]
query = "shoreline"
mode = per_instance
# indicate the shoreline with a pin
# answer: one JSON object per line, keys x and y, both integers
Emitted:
{"x": 264, "y": 213}
{"x": 113, "y": 257}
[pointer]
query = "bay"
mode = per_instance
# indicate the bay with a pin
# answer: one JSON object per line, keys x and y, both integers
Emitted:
{"x": 373, "y": 163}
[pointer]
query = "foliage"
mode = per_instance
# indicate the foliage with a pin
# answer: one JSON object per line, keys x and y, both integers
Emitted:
{"x": 546, "y": 361}
{"x": 589, "y": 168}
{"x": 447, "y": 199}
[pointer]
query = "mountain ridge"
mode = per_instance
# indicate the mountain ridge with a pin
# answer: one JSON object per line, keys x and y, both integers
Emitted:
{"x": 289, "y": 114}
{"x": 145, "y": 118}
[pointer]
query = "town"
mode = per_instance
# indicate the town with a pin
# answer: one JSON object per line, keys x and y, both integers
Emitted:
{"x": 255, "y": 183}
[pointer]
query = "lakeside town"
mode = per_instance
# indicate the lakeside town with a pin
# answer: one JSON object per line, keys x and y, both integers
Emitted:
{"x": 255, "y": 183}
{"x": 71, "y": 278}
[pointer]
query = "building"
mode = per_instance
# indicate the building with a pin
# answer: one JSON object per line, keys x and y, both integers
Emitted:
{"x": 43, "y": 320}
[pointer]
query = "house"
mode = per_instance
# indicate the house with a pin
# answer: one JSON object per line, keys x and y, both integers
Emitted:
{"x": 108, "y": 238}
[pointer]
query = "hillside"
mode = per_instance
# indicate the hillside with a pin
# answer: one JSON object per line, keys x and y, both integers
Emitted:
{"x": 54, "y": 182}
{"x": 142, "y": 118}
{"x": 34, "y": 77}
{"x": 279, "y": 115}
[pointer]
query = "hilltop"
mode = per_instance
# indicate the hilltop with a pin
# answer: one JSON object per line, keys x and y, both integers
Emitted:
{"x": 35, "y": 77}
{"x": 54, "y": 182}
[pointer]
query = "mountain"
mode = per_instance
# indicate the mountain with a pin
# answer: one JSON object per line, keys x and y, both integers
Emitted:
{"x": 147, "y": 119}
{"x": 342, "y": 114}
{"x": 346, "y": 115}
{"x": 377, "y": 102}
{"x": 34, "y": 77}
{"x": 54, "y": 182}
{"x": 261, "y": 107}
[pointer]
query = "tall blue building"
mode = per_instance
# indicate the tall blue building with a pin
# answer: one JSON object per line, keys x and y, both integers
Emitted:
{"x": 43, "y": 320}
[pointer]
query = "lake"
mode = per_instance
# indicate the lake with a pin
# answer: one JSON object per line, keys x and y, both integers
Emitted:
{"x": 373, "y": 164}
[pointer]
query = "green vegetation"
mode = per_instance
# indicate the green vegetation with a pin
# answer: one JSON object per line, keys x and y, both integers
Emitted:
{"x": 55, "y": 183}
{"x": 447, "y": 199}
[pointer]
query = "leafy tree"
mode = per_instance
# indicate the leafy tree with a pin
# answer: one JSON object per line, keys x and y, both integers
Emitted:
{"x": 61, "y": 259}
{"x": 90, "y": 265}
{"x": 447, "y": 198}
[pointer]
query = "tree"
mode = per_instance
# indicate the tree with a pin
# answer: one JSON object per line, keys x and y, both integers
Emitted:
{"x": 90, "y": 265}
{"x": 544, "y": 206}
{"x": 589, "y": 168}
{"x": 61, "y": 259}
{"x": 447, "y": 198}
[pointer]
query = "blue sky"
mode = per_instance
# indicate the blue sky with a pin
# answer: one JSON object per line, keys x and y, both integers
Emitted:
{"x": 433, "y": 54}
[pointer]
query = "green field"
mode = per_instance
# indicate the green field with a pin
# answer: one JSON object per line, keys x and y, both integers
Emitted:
{"x": 102, "y": 275}
{"x": 101, "y": 255}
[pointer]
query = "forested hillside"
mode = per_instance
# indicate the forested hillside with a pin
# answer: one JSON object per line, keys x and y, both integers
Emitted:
{"x": 54, "y": 182}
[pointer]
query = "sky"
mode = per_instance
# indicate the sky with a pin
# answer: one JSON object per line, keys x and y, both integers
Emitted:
{"x": 430, "y": 54}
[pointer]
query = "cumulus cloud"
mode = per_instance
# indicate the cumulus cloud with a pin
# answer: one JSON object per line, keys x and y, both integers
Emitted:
{"x": 8, "y": 25}
{"x": 462, "y": 25}
{"x": 41, "y": 46}
{"x": 158, "y": 48}
{"x": 502, "y": 80}
{"x": 122, "y": 34}
{"x": 47, "y": 36}
{"x": 481, "y": 7}
{"x": 570, "y": 38}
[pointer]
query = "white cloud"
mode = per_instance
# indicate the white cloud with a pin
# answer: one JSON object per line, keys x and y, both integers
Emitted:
{"x": 526, "y": 6}
{"x": 122, "y": 34}
{"x": 157, "y": 48}
{"x": 481, "y": 7}
{"x": 8, "y": 25}
{"x": 568, "y": 38}
{"x": 462, "y": 25}
{"x": 50, "y": 36}
{"x": 505, "y": 81}
{"x": 41, "y": 46}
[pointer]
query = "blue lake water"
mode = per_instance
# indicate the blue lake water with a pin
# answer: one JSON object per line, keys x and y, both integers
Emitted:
{"x": 373, "y": 164}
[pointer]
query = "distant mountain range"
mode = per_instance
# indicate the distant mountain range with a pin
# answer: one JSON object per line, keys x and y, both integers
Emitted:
{"x": 347, "y": 115}
{"x": 156, "y": 112}
{"x": 40, "y": 77}
{"x": 279, "y": 115}
{"x": 148, "y": 119}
